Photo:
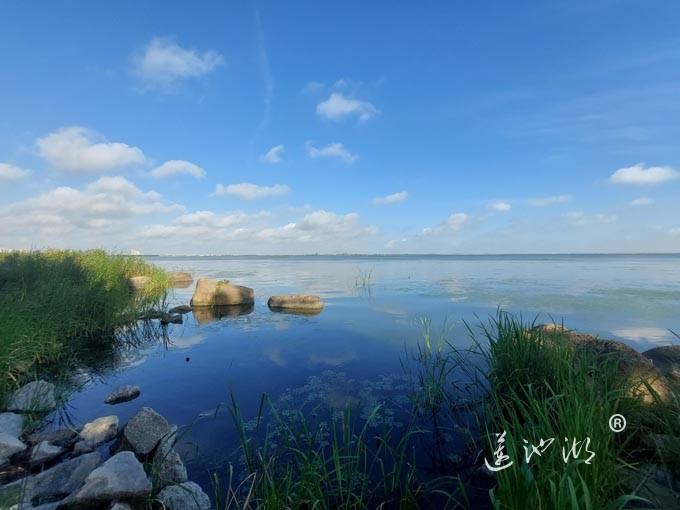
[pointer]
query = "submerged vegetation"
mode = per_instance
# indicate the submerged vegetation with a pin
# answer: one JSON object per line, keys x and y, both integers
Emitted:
{"x": 52, "y": 302}
{"x": 519, "y": 383}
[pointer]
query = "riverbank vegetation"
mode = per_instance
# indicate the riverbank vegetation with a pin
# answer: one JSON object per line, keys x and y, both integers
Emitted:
{"x": 518, "y": 386}
{"x": 51, "y": 302}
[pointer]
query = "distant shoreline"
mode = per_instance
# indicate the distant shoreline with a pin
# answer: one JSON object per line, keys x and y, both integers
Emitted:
{"x": 415, "y": 255}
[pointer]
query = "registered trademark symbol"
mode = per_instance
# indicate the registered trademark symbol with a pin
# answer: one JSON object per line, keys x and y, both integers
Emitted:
{"x": 617, "y": 423}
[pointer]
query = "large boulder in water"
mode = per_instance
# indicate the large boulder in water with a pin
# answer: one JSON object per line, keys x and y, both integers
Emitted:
{"x": 218, "y": 293}
{"x": 180, "y": 280}
{"x": 643, "y": 379}
{"x": 295, "y": 302}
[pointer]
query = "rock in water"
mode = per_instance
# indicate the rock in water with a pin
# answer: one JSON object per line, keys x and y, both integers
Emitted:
{"x": 122, "y": 394}
{"x": 97, "y": 432}
{"x": 10, "y": 445}
{"x": 121, "y": 478}
{"x": 185, "y": 496}
{"x": 296, "y": 302}
{"x": 144, "y": 431}
{"x": 169, "y": 469}
{"x": 59, "y": 437}
{"x": 180, "y": 279}
{"x": 59, "y": 481}
{"x": 43, "y": 453}
{"x": 36, "y": 396}
{"x": 138, "y": 283}
{"x": 180, "y": 309}
{"x": 172, "y": 319}
{"x": 216, "y": 293}
{"x": 11, "y": 423}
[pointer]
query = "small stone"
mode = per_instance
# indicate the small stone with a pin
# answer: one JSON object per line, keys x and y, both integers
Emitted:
{"x": 100, "y": 430}
{"x": 122, "y": 394}
{"x": 180, "y": 309}
{"x": 59, "y": 437}
{"x": 121, "y": 477}
{"x": 10, "y": 445}
{"x": 11, "y": 423}
{"x": 144, "y": 430}
{"x": 172, "y": 319}
{"x": 185, "y": 496}
{"x": 36, "y": 396}
{"x": 43, "y": 453}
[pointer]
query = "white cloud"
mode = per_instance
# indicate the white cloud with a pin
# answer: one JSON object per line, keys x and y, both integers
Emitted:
{"x": 67, "y": 215}
{"x": 338, "y": 106}
{"x": 455, "y": 222}
{"x": 500, "y": 206}
{"x": 163, "y": 62}
{"x": 250, "y": 191}
{"x": 313, "y": 87}
{"x": 391, "y": 199}
{"x": 79, "y": 149}
{"x": 273, "y": 155}
{"x": 638, "y": 174}
{"x": 555, "y": 199}
{"x": 642, "y": 201}
{"x": 178, "y": 167}
{"x": 674, "y": 231}
{"x": 207, "y": 223}
{"x": 579, "y": 218}
{"x": 332, "y": 150}
{"x": 12, "y": 173}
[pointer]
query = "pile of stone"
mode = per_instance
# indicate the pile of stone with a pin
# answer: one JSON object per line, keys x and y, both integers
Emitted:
{"x": 62, "y": 469}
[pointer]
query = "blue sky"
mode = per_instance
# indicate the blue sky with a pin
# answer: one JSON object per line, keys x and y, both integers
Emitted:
{"x": 363, "y": 127}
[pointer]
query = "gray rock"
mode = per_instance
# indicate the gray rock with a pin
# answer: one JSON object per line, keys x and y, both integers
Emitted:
{"x": 44, "y": 452}
{"x": 35, "y": 396}
{"x": 144, "y": 431}
{"x": 4, "y": 462}
{"x": 123, "y": 394}
{"x": 97, "y": 432}
{"x": 120, "y": 478}
{"x": 10, "y": 445}
{"x": 11, "y": 423}
{"x": 59, "y": 437}
{"x": 167, "y": 442}
{"x": 180, "y": 309}
{"x": 172, "y": 319}
{"x": 59, "y": 481}
{"x": 169, "y": 469}
{"x": 185, "y": 496}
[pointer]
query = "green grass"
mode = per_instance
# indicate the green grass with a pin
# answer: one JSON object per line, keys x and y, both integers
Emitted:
{"x": 51, "y": 302}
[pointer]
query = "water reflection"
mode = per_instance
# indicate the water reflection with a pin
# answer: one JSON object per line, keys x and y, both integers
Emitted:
{"x": 207, "y": 314}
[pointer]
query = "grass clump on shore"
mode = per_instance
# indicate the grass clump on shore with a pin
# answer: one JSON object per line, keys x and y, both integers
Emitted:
{"x": 52, "y": 300}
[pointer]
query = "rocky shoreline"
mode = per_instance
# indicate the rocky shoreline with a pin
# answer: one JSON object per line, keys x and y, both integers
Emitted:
{"x": 62, "y": 469}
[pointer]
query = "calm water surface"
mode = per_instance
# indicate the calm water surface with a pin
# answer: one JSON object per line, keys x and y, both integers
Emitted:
{"x": 351, "y": 351}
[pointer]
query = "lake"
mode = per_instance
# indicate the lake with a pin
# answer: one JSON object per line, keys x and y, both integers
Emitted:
{"x": 352, "y": 351}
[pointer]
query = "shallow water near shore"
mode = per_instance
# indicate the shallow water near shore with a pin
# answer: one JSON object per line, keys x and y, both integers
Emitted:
{"x": 351, "y": 351}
